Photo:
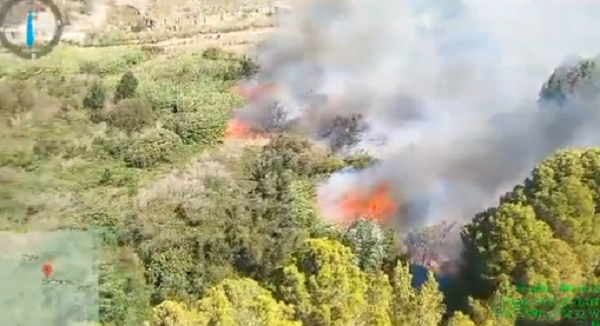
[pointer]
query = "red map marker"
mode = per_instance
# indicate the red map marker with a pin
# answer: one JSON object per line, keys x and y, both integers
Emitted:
{"x": 47, "y": 268}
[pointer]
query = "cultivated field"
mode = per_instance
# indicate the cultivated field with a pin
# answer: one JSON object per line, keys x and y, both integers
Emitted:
{"x": 187, "y": 24}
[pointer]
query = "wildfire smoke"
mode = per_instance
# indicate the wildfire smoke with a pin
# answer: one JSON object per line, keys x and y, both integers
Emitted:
{"x": 430, "y": 77}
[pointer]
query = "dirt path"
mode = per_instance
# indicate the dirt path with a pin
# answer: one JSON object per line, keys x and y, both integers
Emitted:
{"x": 238, "y": 39}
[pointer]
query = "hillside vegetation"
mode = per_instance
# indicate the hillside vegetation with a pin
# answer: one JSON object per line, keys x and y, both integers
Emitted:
{"x": 206, "y": 231}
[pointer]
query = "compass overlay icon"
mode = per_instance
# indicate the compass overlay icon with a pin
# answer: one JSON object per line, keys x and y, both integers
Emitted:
{"x": 30, "y": 29}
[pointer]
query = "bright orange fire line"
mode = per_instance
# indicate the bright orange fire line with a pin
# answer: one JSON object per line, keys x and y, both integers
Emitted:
{"x": 240, "y": 130}
{"x": 376, "y": 205}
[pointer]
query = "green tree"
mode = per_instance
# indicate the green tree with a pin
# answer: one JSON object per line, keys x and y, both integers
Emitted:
{"x": 230, "y": 303}
{"x": 304, "y": 210}
{"x": 509, "y": 245}
{"x": 460, "y": 319}
{"x": 172, "y": 313}
{"x": 542, "y": 235}
{"x": 124, "y": 294}
{"x": 281, "y": 177}
{"x": 413, "y": 306}
{"x": 127, "y": 87}
{"x": 367, "y": 241}
{"x": 379, "y": 297}
{"x": 199, "y": 241}
{"x": 324, "y": 284}
{"x": 95, "y": 97}
{"x": 243, "y": 302}
{"x": 564, "y": 192}
{"x": 279, "y": 226}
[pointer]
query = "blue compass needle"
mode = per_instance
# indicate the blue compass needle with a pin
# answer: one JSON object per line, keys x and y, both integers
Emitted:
{"x": 30, "y": 32}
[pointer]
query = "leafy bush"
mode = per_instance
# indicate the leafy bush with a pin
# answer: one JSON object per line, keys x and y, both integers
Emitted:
{"x": 90, "y": 67}
{"x": 131, "y": 115}
{"x": 194, "y": 127}
{"x": 151, "y": 149}
{"x": 95, "y": 97}
{"x": 110, "y": 67}
{"x": 214, "y": 54}
{"x": 162, "y": 95}
{"x": 127, "y": 87}
{"x": 134, "y": 58}
{"x": 218, "y": 70}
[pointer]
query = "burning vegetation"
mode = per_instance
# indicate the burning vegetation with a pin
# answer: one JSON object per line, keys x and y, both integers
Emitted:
{"x": 376, "y": 204}
{"x": 269, "y": 115}
{"x": 265, "y": 115}
{"x": 237, "y": 129}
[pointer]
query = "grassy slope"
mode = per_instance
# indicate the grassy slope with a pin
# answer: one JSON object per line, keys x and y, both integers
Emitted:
{"x": 52, "y": 169}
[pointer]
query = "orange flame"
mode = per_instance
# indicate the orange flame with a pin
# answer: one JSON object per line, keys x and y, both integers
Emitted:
{"x": 376, "y": 205}
{"x": 240, "y": 130}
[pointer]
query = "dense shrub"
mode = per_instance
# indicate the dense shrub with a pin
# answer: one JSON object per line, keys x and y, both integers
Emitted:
{"x": 220, "y": 70}
{"x": 215, "y": 54}
{"x": 194, "y": 127}
{"x": 127, "y": 87}
{"x": 110, "y": 67}
{"x": 95, "y": 97}
{"x": 152, "y": 148}
{"x": 131, "y": 115}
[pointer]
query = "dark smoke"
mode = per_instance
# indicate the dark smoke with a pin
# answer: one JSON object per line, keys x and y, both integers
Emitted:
{"x": 451, "y": 86}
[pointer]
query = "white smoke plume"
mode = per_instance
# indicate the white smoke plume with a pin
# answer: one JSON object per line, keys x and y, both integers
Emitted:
{"x": 452, "y": 86}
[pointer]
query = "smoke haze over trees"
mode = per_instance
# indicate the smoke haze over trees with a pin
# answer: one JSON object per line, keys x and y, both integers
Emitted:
{"x": 452, "y": 89}
{"x": 412, "y": 163}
